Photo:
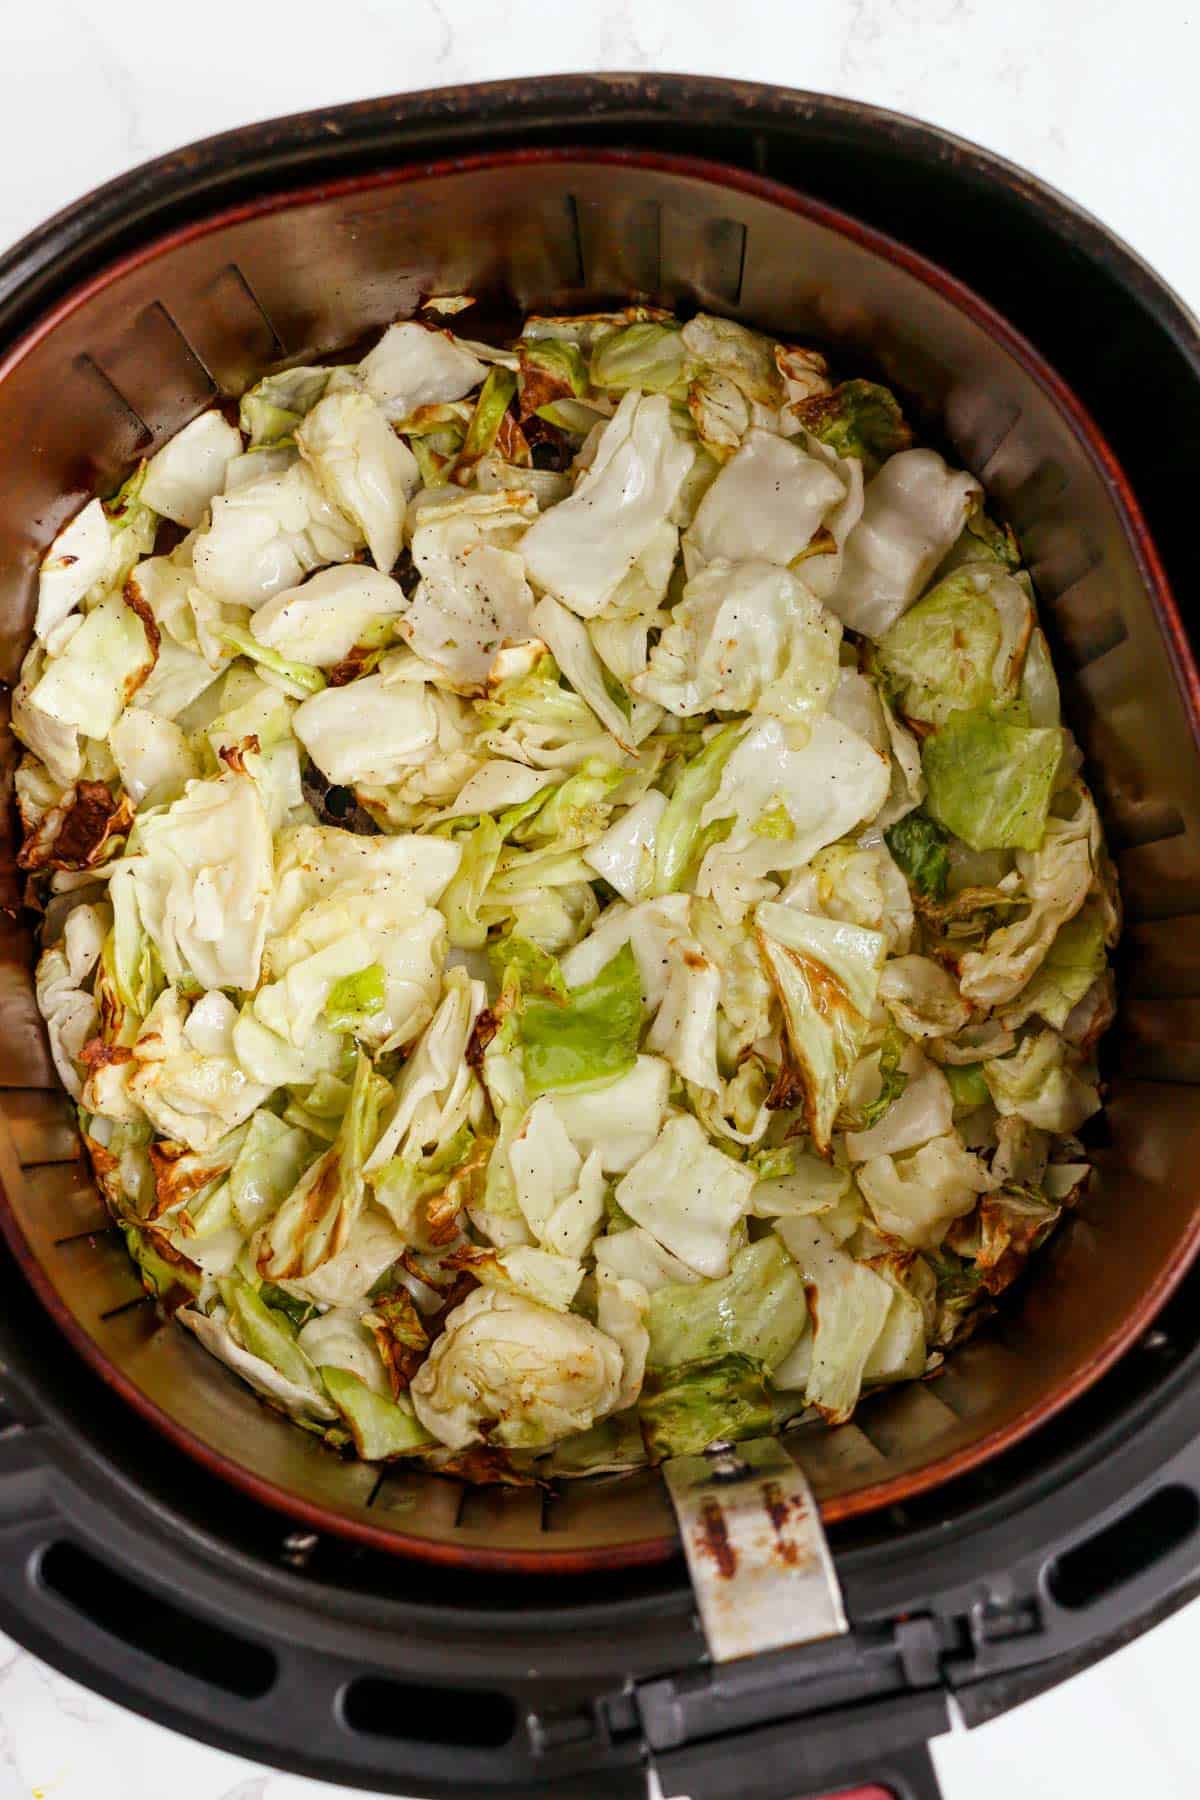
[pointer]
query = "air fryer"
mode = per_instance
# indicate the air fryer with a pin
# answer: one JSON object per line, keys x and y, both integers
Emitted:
{"x": 174, "y": 1543}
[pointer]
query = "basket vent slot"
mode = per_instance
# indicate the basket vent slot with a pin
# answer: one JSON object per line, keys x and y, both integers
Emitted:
{"x": 1132, "y": 823}
{"x": 622, "y": 252}
{"x": 1124, "y": 1549}
{"x": 466, "y": 1718}
{"x": 150, "y": 1624}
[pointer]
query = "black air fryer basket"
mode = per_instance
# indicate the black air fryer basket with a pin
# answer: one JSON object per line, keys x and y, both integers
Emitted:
{"x": 168, "y": 1541}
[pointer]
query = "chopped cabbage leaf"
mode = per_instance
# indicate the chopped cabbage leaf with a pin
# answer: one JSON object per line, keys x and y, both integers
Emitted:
{"x": 715, "y": 1400}
{"x": 267, "y": 535}
{"x": 767, "y": 504}
{"x": 917, "y": 1197}
{"x": 203, "y": 882}
{"x": 106, "y": 660}
{"x": 418, "y": 365}
{"x": 961, "y": 647}
{"x": 314, "y": 1223}
{"x": 826, "y": 973}
{"x": 745, "y": 637}
{"x": 802, "y": 798}
{"x": 76, "y": 561}
{"x": 382, "y": 1427}
{"x": 849, "y": 1304}
{"x": 363, "y": 468}
{"x": 913, "y": 510}
{"x": 758, "y": 1310}
{"x": 688, "y": 1195}
{"x": 990, "y": 782}
{"x": 367, "y": 731}
{"x": 335, "y": 611}
{"x": 1038, "y": 1083}
{"x": 592, "y": 1035}
{"x": 531, "y": 1375}
{"x": 183, "y": 477}
{"x": 583, "y": 548}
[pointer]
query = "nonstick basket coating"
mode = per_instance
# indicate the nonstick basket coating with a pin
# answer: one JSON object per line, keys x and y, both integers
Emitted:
{"x": 121, "y": 363}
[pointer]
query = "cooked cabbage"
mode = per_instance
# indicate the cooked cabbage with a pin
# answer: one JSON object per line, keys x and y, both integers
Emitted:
{"x": 562, "y": 965}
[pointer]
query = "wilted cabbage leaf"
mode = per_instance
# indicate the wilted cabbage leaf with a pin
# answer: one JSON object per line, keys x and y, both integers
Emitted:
{"x": 990, "y": 781}
{"x": 826, "y": 974}
{"x": 714, "y": 1400}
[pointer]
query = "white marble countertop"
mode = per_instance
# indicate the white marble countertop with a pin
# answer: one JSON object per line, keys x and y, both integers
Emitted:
{"x": 1090, "y": 94}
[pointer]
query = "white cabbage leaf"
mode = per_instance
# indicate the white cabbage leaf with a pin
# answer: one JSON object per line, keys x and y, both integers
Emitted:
{"x": 1055, "y": 880}
{"x": 918, "y": 1196}
{"x": 688, "y": 1195}
{"x": 434, "y": 1092}
{"x": 363, "y": 468}
{"x": 850, "y": 1305}
{"x": 684, "y": 1031}
{"x": 786, "y": 804}
{"x": 624, "y": 854}
{"x": 922, "y": 997}
{"x": 101, "y": 667}
{"x": 266, "y": 535}
{"x": 566, "y": 637}
{"x": 583, "y": 548}
{"x": 69, "y": 1010}
{"x": 270, "y": 1161}
{"x": 346, "y": 1279}
{"x": 766, "y": 504}
{"x": 182, "y": 478}
{"x": 338, "y": 1339}
{"x": 523, "y": 1269}
{"x": 153, "y": 756}
{"x": 417, "y": 365}
{"x": 913, "y": 511}
{"x": 178, "y": 679}
{"x": 474, "y": 600}
{"x": 636, "y": 1256}
{"x": 322, "y": 621}
{"x": 191, "y": 1096}
{"x": 382, "y": 932}
{"x": 745, "y": 637}
{"x": 305, "y": 1404}
{"x": 923, "y": 1109}
{"x": 1041, "y": 1083}
{"x": 826, "y": 973}
{"x": 560, "y": 1193}
{"x": 313, "y": 1226}
{"x": 76, "y": 562}
{"x": 618, "y": 1120}
{"x": 203, "y": 881}
{"x": 367, "y": 730}
{"x": 531, "y": 1374}
{"x": 861, "y": 884}
{"x": 647, "y": 928}
{"x": 622, "y": 1306}
{"x": 321, "y": 863}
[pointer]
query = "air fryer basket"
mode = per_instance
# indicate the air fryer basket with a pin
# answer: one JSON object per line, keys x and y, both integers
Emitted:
{"x": 126, "y": 1561}
{"x": 124, "y": 361}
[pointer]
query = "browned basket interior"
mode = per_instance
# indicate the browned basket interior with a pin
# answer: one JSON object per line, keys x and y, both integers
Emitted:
{"x": 129, "y": 359}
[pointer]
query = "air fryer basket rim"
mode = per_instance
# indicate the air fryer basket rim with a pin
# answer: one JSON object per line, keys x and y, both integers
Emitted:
{"x": 1153, "y": 575}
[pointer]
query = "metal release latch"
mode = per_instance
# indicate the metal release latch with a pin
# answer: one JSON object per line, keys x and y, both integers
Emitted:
{"x": 755, "y": 1549}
